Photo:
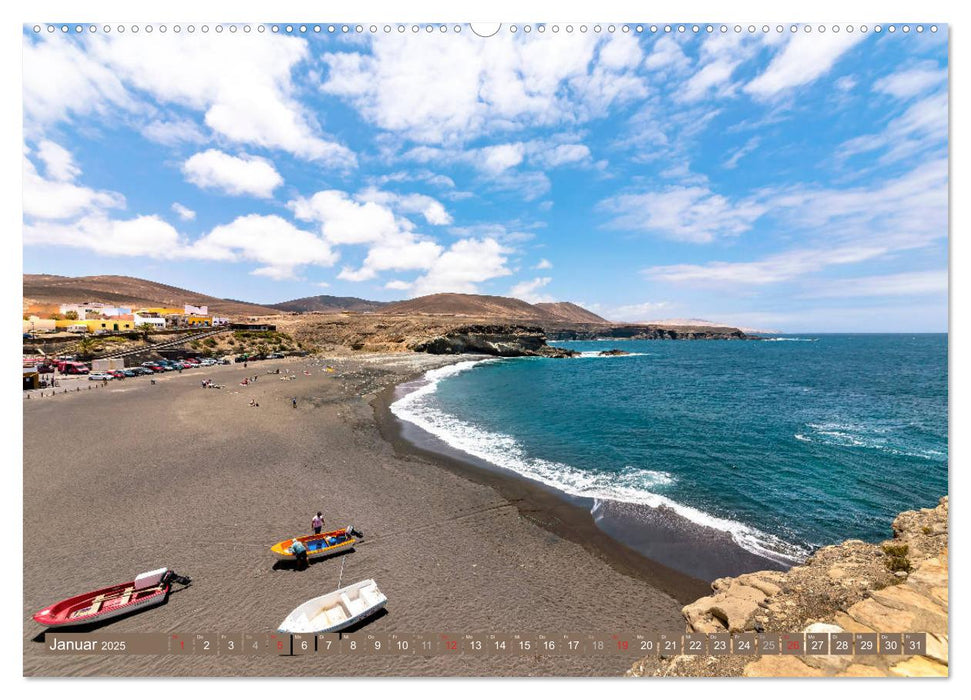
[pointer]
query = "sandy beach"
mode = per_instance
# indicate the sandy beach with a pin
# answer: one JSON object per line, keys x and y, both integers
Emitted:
{"x": 135, "y": 476}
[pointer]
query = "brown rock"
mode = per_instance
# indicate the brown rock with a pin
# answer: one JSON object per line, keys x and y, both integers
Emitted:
{"x": 780, "y": 667}
{"x": 861, "y": 671}
{"x": 919, "y": 667}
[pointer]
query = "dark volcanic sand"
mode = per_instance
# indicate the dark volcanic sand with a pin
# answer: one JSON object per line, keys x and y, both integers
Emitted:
{"x": 132, "y": 477}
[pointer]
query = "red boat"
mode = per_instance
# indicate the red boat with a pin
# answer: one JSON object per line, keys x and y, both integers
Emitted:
{"x": 148, "y": 589}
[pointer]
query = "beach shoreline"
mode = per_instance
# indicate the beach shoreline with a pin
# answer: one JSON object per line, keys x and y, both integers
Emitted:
{"x": 675, "y": 554}
{"x": 202, "y": 482}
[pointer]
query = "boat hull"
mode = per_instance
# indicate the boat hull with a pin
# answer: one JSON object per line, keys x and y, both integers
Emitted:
{"x": 317, "y": 547}
{"x": 335, "y": 611}
{"x": 76, "y": 611}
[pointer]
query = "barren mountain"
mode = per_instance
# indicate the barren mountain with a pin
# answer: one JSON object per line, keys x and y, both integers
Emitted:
{"x": 326, "y": 304}
{"x": 118, "y": 289}
{"x": 482, "y": 306}
{"x": 568, "y": 311}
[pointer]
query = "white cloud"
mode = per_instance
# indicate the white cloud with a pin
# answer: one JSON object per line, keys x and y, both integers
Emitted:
{"x": 923, "y": 126}
{"x": 398, "y": 284}
{"x": 543, "y": 264}
{"x": 62, "y": 81}
{"x": 750, "y": 146}
{"x": 183, "y": 211}
{"x": 269, "y": 240}
{"x": 848, "y": 226}
{"x": 636, "y": 312}
{"x": 173, "y": 132}
{"x": 344, "y": 221}
{"x": 528, "y": 290}
{"x": 143, "y": 235}
{"x": 243, "y": 175}
{"x": 769, "y": 270}
{"x": 693, "y": 214}
{"x": 554, "y": 156}
{"x": 913, "y": 81}
{"x": 58, "y": 163}
{"x": 392, "y": 244}
{"x": 496, "y": 159}
{"x": 430, "y": 208}
{"x": 900, "y": 284}
{"x": 477, "y": 87}
{"x": 667, "y": 55}
{"x": 463, "y": 266}
{"x": 803, "y": 59}
{"x": 54, "y": 199}
{"x": 241, "y": 83}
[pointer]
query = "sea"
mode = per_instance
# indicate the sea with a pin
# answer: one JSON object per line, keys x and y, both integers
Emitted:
{"x": 782, "y": 444}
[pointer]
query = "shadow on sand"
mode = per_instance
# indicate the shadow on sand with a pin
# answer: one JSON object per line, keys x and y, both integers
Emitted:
{"x": 292, "y": 565}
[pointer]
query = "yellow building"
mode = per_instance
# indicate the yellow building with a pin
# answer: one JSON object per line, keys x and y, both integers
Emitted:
{"x": 110, "y": 325}
{"x": 199, "y": 320}
{"x": 163, "y": 311}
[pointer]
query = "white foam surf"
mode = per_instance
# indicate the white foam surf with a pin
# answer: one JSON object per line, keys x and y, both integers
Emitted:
{"x": 631, "y": 485}
{"x": 789, "y": 340}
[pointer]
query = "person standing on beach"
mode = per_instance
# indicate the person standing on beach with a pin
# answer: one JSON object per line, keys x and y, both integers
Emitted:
{"x": 295, "y": 405}
{"x": 318, "y": 522}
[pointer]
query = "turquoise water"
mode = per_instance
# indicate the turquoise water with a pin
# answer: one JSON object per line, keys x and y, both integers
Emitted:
{"x": 787, "y": 444}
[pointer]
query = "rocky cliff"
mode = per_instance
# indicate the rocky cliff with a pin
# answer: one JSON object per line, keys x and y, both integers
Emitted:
{"x": 584, "y": 331}
{"x": 900, "y": 585}
{"x": 499, "y": 340}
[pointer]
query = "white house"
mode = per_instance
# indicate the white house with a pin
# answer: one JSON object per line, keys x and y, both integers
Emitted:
{"x": 159, "y": 323}
{"x": 191, "y": 310}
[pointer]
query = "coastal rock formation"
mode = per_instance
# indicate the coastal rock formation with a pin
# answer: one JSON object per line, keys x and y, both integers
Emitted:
{"x": 634, "y": 331}
{"x": 499, "y": 340}
{"x": 899, "y": 585}
{"x": 612, "y": 353}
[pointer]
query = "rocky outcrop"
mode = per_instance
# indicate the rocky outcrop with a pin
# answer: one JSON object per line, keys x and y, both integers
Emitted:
{"x": 633, "y": 331}
{"x": 499, "y": 340}
{"x": 900, "y": 585}
{"x": 612, "y": 353}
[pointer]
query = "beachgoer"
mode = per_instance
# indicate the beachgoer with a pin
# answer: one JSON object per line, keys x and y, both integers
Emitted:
{"x": 295, "y": 404}
{"x": 299, "y": 551}
{"x": 244, "y": 365}
{"x": 317, "y": 523}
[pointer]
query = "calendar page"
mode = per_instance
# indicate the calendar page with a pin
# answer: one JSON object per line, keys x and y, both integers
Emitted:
{"x": 447, "y": 348}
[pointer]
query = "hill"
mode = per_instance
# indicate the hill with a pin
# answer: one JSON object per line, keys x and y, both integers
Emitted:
{"x": 326, "y": 304}
{"x": 568, "y": 311}
{"x": 118, "y": 289}
{"x": 483, "y": 306}
{"x": 699, "y": 322}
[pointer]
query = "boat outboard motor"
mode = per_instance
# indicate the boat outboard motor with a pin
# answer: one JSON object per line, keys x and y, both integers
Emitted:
{"x": 354, "y": 533}
{"x": 172, "y": 577}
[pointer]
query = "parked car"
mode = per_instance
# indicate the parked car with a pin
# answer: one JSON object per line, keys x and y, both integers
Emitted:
{"x": 128, "y": 372}
{"x": 275, "y": 356}
{"x": 99, "y": 376}
{"x": 141, "y": 371}
{"x": 116, "y": 373}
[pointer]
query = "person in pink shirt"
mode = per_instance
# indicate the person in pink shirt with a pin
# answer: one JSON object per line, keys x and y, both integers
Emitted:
{"x": 317, "y": 523}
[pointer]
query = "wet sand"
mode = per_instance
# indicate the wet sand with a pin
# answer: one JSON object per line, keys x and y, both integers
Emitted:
{"x": 134, "y": 476}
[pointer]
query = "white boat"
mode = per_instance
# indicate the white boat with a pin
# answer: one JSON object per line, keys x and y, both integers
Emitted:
{"x": 337, "y": 610}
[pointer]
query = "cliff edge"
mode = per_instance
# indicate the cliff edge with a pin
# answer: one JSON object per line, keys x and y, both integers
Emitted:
{"x": 900, "y": 585}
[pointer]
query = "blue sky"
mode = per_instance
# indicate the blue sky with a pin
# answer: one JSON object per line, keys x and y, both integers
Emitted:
{"x": 789, "y": 180}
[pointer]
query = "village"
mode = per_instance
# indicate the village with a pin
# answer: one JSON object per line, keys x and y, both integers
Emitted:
{"x": 68, "y": 345}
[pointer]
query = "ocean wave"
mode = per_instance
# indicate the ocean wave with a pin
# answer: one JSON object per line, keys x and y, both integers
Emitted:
{"x": 867, "y": 437}
{"x": 789, "y": 340}
{"x": 630, "y": 485}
